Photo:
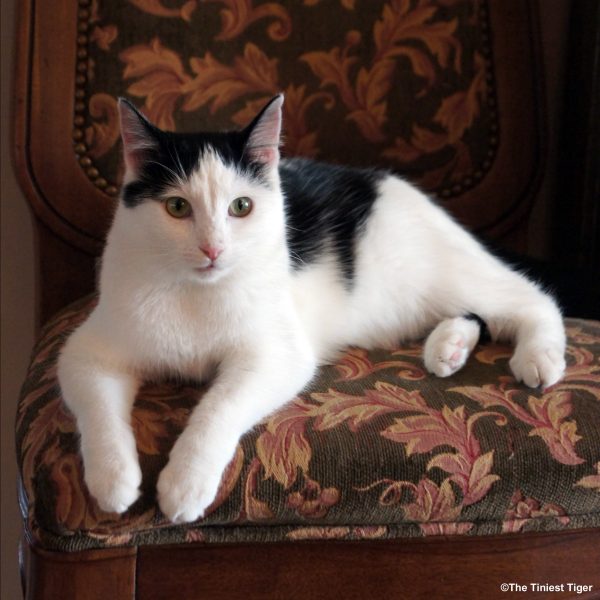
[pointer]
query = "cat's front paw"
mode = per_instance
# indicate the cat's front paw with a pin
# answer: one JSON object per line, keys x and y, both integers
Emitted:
{"x": 114, "y": 481}
{"x": 538, "y": 365}
{"x": 185, "y": 493}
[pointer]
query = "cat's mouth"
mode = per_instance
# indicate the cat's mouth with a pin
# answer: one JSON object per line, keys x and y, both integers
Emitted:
{"x": 209, "y": 272}
{"x": 210, "y": 267}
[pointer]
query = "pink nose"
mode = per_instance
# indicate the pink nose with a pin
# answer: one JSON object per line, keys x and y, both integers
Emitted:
{"x": 211, "y": 251}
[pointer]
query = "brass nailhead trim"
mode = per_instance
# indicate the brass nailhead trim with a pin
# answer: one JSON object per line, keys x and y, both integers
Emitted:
{"x": 80, "y": 147}
{"x": 472, "y": 179}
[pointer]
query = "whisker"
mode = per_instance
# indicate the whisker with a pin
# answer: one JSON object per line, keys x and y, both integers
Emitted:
{"x": 177, "y": 160}
{"x": 177, "y": 178}
{"x": 297, "y": 257}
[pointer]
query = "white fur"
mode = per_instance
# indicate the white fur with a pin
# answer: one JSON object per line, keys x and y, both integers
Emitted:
{"x": 259, "y": 329}
{"x": 415, "y": 268}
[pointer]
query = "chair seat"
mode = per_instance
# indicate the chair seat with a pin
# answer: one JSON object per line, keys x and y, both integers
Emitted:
{"x": 374, "y": 448}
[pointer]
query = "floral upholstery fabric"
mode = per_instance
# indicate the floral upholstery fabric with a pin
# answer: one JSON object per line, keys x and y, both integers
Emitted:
{"x": 374, "y": 448}
{"x": 409, "y": 84}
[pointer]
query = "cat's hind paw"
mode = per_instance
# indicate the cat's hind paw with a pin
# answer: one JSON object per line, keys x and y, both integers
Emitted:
{"x": 449, "y": 345}
{"x": 538, "y": 365}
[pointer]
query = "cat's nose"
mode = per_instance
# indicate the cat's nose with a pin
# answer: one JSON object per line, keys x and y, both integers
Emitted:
{"x": 211, "y": 251}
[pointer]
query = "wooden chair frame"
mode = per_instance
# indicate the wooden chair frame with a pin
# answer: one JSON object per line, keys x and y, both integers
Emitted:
{"x": 443, "y": 567}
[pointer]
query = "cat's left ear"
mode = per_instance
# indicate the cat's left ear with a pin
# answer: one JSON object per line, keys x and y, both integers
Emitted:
{"x": 137, "y": 133}
{"x": 264, "y": 133}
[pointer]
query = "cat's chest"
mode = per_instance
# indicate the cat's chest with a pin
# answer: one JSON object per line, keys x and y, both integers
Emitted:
{"x": 180, "y": 332}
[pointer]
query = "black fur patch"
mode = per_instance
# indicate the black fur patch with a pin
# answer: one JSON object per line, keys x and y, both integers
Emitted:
{"x": 178, "y": 154}
{"x": 484, "y": 332}
{"x": 326, "y": 208}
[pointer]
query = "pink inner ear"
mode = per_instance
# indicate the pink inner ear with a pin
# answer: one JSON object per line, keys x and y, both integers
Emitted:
{"x": 133, "y": 157}
{"x": 136, "y": 139}
{"x": 263, "y": 142}
{"x": 264, "y": 155}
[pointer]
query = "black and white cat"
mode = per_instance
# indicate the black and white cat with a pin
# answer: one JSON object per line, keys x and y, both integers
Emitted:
{"x": 226, "y": 263}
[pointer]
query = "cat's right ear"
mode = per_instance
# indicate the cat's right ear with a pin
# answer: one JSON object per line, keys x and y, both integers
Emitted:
{"x": 138, "y": 135}
{"x": 262, "y": 145}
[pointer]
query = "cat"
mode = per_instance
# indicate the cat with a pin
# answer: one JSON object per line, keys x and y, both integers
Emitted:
{"x": 226, "y": 263}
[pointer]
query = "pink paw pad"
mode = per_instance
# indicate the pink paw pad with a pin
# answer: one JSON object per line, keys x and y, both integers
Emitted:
{"x": 457, "y": 355}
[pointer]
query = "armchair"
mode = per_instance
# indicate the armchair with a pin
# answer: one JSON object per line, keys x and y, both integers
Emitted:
{"x": 378, "y": 479}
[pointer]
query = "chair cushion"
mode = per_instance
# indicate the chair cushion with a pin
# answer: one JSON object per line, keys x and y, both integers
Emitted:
{"x": 375, "y": 447}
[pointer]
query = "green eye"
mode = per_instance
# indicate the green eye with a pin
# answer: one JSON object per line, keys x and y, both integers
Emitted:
{"x": 179, "y": 208}
{"x": 240, "y": 207}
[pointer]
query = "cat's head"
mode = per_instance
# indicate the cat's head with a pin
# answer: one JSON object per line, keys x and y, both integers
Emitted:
{"x": 204, "y": 204}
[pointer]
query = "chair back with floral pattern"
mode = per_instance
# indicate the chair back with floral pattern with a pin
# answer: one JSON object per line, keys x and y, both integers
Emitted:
{"x": 421, "y": 87}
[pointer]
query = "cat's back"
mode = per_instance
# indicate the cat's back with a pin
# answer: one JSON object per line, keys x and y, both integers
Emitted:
{"x": 367, "y": 249}
{"x": 326, "y": 208}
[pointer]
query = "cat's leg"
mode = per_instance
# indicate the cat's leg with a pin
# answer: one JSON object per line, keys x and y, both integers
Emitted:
{"x": 539, "y": 336}
{"x": 245, "y": 392}
{"x": 449, "y": 345}
{"x": 101, "y": 399}
{"x": 516, "y": 310}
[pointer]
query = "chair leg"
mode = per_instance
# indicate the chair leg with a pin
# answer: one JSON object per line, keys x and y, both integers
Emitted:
{"x": 89, "y": 575}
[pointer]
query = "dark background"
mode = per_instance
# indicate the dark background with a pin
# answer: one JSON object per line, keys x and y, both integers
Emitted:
{"x": 572, "y": 270}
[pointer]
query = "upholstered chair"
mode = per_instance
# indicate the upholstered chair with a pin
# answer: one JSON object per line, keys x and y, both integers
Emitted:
{"x": 378, "y": 480}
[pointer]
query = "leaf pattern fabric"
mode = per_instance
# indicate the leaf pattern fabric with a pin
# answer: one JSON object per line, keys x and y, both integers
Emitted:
{"x": 409, "y": 83}
{"x": 374, "y": 448}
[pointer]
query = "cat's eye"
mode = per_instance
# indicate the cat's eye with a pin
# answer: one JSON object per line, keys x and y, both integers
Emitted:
{"x": 178, "y": 208}
{"x": 240, "y": 207}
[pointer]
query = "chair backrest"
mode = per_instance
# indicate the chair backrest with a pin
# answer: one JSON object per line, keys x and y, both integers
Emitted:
{"x": 445, "y": 92}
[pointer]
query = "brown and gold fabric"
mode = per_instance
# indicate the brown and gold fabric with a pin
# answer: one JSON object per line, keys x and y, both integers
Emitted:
{"x": 446, "y": 92}
{"x": 411, "y": 84}
{"x": 374, "y": 448}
